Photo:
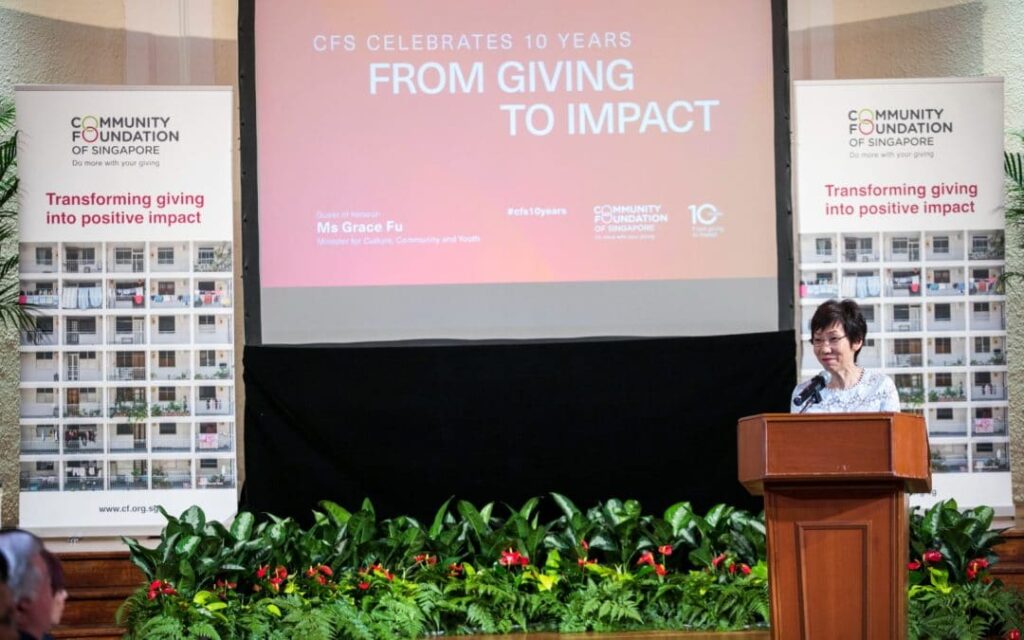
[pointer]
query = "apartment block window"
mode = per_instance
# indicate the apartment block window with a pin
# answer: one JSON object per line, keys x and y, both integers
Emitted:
{"x": 983, "y": 412}
{"x": 168, "y": 429}
{"x": 823, "y": 247}
{"x": 205, "y": 256}
{"x": 207, "y": 393}
{"x": 165, "y": 324}
{"x": 858, "y": 245}
{"x": 824, "y": 277}
{"x": 982, "y": 345}
{"x": 44, "y": 396}
{"x": 123, "y": 324}
{"x": 44, "y": 256}
{"x": 943, "y": 312}
{"x": 207, "y": 358}
{"x": 981, "y": 311}
{"x": 902, "y": 347}
{"x": 44, "y": 324}
{"x": 165, "y": 255}
{"x": 124, "y": 430}
{"x": 44, "y": 466}
{"x": 983, "y": 378}
{"x": 869, "y": 313}
{"x": 980, "y": 274}
{"x": 42, "y": 356}
{"x": 208, "y": 463}
{"x": 900, "y": 245}
{"x": 166, "y": 359}
{"x": 86, "y": 355}
{"x": 907, "y": 380}
{"x": 165, "y": 288}
{"x": 944, "y": 379}
{"x": 207, "y": 324}
{"x": 901, "y": 313}
{"x": 944, "y": 414}
{"x": 82, "y": 325}
{"x": 943, "y": 345}
{"x": 207, "y": 427}
{"x": 165, "y": 394}
{"x": 125, "y": 359}
{"x": 129, "y": 394}
{"x": 940, "y": 276}
{"x": 123, "y": 256}
{"x": 940, "y": 244}
{"x": 979, "y": 244}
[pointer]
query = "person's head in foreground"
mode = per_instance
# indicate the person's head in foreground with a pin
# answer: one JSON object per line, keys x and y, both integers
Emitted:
{"x": 57, "y": 585}
{"x": 7, "y": 629}
{"x": 29, "y": 583}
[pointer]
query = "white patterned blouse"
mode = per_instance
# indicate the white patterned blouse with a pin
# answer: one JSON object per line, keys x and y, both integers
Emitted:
{"x": 875, "y": 392}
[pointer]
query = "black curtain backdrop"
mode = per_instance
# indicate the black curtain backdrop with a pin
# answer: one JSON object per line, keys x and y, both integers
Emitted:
{"x": 407, "y": 426}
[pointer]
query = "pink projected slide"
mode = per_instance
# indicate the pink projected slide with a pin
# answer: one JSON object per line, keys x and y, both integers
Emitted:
{"x": 456, "y": 142}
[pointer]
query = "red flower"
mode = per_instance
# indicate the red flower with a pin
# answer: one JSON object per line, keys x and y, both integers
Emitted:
{"x": 281, "y": 572}
{"x": 275, "y": 583}
{"x": 262, "y": 571}
{"x": 583, "y": 561}
{"x": 665, "y": 549}
{"x": 583, "y": 543}
{"x": 978, "y": 563}
{"x": 363, "y": 586}
{"x": 745, "y": 569}
{"x": 660, "y": 569}
{"x": 932, "y": 556}
{"x": 913, "y": 565}
{"x": 1013, "y": 634}
{"x": 160, "y": 587}
{"x": 512, "y": 558}
{"x": 425, "y": 558}
{"x": 310, "y": 572}
{"x": 732, "y": 568}
{"x": 454, "y": 569}
{"x": 645, "y": 558}
{"x": 322, "y": 580}
{"x": 327, "y": 571}
{"x": 717, "y": 560}
{"x": 972, "y": 573}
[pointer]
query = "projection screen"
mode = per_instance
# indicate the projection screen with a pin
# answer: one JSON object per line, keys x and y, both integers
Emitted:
{"x": 514, "y": 169}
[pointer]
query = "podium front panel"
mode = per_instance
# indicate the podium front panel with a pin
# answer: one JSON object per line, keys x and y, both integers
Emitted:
{"x": 835, "y": 448}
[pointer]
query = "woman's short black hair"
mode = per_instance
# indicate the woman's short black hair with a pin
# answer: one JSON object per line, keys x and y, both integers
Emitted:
{"x": 846, "y": 313}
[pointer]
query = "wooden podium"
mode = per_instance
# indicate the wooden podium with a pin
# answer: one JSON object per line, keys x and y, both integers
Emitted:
{"x": 835, "y": 489}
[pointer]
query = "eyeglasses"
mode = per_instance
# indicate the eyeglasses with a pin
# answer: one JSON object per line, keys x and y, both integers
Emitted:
{"x": 832, "y": 342}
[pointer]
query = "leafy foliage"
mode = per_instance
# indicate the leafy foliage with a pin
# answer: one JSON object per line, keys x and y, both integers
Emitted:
{"x": 505, "y": 569}
{"x": 12, "y": 313}
{"x": 1013, "y": 167}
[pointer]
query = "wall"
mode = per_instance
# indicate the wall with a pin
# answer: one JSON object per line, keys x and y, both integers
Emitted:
{"x": 122, "y": 42}
{"x": 847, "y": 39}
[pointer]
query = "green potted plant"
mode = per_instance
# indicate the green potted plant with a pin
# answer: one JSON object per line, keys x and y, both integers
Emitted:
{"x": 13, "y": 313}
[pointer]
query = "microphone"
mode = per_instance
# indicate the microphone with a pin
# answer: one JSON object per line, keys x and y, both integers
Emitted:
{"x": 813, "y": 389}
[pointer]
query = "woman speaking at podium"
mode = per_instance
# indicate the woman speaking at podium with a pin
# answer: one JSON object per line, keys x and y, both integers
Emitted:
{"x": 838, "y": 330}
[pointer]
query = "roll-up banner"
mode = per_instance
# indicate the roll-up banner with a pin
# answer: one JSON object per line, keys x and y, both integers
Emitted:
{"x": 127, "y": 378}
{"x": 899, "y": 193}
